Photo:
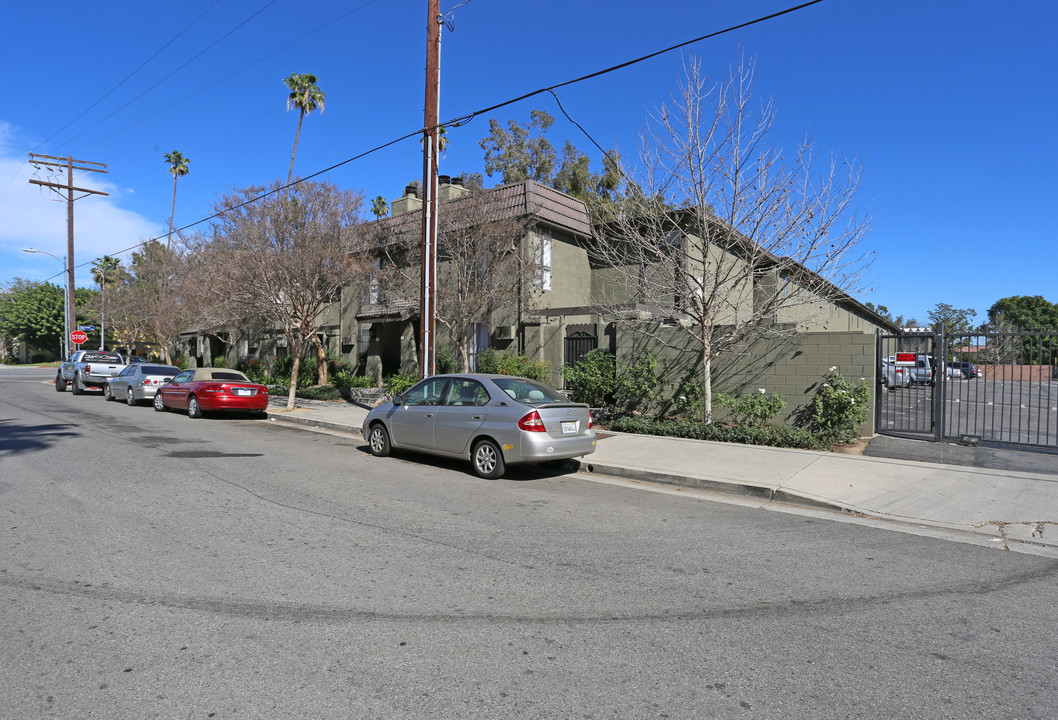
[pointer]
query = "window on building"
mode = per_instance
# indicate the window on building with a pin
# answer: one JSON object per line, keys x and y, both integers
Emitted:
{"x": 542, "y": 244}
{"x": 477, "y": 341}
{"x": 370, "y": 294}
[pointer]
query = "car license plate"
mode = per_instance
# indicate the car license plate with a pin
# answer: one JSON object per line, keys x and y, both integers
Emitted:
{"x": 569, "y": 427}
{"x": 243, "y": 391}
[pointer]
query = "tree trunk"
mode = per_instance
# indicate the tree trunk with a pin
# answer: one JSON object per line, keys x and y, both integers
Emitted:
{"x": 707, "y": 384}
{"x": 292, "y": 390}
{"x": 296, "y": 136}
{"x": 172, "y": 214}
{"x": 321, "y": 361}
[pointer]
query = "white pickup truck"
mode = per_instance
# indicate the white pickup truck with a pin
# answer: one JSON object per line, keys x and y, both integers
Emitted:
{"x": 88, "y": 368}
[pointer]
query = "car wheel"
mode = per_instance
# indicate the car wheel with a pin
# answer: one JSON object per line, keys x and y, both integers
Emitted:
{"x": 378, "y": 440}
{"x": 487, "y": 460}
{"x": 130, "y": 398}
{"x": 159, "y": 404}
{"x": 78, "y": 388}
{"x": 60, "y": 384}
{"x": 106, "y": 393}
{"x": 193, "y": 410}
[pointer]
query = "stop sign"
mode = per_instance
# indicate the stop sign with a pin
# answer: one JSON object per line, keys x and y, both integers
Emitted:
{"x": 78, "y": 337}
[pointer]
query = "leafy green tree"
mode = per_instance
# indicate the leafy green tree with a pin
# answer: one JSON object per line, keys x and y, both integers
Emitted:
{"x": 956, "y": 321}
{"x": 898, "y": 320}
{"x": 522, "y": 152}
{"x": 1025, "y": 313}
{"x": 32, "y": 312}
{"x": 379, "y": 207}
{"x": 306, "y": 96}
{"x": 178, "y": 167}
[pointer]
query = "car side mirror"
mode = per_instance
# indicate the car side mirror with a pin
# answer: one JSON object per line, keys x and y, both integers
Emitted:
{"x": 398, "y": 400}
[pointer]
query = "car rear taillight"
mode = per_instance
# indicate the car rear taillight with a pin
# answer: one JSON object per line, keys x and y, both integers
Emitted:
{"x": 213, "y": 388}
{"x": 87, "y": 369}
{"x": 532, "y": 423}
{"x": 591, "y": 421}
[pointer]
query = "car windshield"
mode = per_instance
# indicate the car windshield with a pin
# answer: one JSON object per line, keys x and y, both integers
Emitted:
{"x": 529, "y": 391}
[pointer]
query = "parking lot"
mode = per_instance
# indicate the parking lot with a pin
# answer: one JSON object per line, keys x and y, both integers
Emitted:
{"x": 991, "y": 410}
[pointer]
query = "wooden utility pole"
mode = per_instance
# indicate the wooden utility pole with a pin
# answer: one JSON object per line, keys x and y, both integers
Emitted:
{"x": 428, "y": 313}
{"x": 70, "y": 165}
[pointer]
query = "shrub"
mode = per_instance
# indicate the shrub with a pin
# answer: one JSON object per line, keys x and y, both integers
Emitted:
{"x": 183, "y": 362}
{"x": 446, "y": 362}
{"x": 284, "y": 365}
{"x": 319, "y": 392}
{"x": 785, "y": 436}
{"x": 754, "y": 410}
{"x": 490, "y": 361}
{"x": 346, "y": 379}
{"x": 220, "y": 361}
{"x": 838, "y": 409}
{"x": 593, "y": 378}
{"x": 396, "y": 384}
{"x": 254, "y": 369}
{"x": 638, "y": 386}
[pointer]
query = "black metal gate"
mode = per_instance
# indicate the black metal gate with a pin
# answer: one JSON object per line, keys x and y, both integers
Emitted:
{"x": 907, "y": 390}
{"x": 578, "y": 344}
{"x": 997, "y": 388}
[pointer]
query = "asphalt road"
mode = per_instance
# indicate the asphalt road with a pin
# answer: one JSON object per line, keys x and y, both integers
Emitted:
{"x": 153, "y": 566}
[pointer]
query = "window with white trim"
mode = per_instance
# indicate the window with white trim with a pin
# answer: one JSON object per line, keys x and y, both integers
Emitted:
{"x": 543, "y": 241}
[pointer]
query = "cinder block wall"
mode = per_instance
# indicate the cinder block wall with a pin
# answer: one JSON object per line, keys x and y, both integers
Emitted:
{"x": 792, "y": 364}
{"x": 796, "y": 366}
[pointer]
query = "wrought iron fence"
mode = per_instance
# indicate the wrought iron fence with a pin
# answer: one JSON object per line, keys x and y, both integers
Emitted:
{"x": 999, "y": 387}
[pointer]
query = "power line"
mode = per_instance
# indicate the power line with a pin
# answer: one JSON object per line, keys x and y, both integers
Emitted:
{"x": 464, "y": 119}
{"x": 227, "y": 77}
{"x": 174, "y": 72}
{"x": 127, "y": 77}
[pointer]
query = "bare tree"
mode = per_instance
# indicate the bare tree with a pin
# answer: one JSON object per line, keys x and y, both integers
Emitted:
{"x": 482, "y": 263}
{"x": 148, "y": 304}
{"x": 282, "y": 257}
{"x": 721, "y": 233}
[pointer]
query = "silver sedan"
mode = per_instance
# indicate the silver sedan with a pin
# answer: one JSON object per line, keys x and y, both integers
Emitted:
{"x": 139, "y": 382}
{"x": 492, "y": 420}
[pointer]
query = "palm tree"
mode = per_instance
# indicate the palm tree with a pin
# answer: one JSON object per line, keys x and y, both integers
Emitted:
{"x": 379, "y": 206}
{"x": 306, "y": 96}
{"x": 442, "y": 140}
{"x": 105, "y": 272}
{"x": 177, "y": 168}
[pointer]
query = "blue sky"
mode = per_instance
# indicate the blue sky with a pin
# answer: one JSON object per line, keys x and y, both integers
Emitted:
{"x": 950, "y": 106}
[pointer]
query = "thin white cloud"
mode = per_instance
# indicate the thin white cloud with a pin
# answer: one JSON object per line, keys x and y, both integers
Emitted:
{"x": 35, "y": 217}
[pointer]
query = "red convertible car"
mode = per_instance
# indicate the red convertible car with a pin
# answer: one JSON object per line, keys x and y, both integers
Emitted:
{"x": 203, "y": 390}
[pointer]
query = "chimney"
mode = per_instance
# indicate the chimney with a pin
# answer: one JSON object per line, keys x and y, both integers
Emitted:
{"x": 450, "y": 188}
{"x": 408, "y": 203}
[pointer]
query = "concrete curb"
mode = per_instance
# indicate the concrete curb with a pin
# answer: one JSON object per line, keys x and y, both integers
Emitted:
{"x": 312, "y": 422}
{"x": 761, "y": 492}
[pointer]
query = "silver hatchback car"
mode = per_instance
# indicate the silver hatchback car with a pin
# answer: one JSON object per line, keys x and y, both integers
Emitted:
{"x": 492, "y": 420}
{"x": 138, "y": 382}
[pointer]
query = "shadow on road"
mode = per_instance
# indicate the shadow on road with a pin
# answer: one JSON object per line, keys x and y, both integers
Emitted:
{"x": 16, "y": 439}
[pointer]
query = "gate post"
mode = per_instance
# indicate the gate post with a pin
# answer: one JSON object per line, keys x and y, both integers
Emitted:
{"x": 940, "y": 384}
{"x": 877, "y": 380}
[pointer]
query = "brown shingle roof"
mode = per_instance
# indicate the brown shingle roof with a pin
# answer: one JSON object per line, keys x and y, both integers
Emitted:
{"x": 525, "y": 199}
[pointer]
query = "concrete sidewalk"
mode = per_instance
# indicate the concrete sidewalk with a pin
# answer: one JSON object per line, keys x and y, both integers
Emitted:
{"x": 1011, "y": 506}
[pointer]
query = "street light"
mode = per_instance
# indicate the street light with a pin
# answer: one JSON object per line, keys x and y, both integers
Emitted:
{"x": 65, "y": 301}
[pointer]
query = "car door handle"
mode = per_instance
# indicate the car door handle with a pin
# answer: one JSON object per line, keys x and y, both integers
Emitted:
{"x": 428, "y": 415}
{"x": 477, "y": 417}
